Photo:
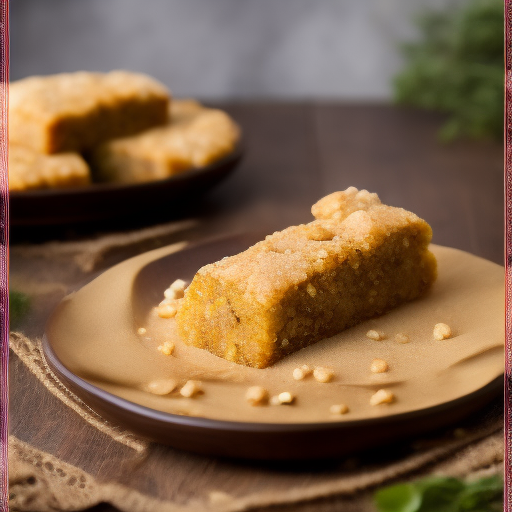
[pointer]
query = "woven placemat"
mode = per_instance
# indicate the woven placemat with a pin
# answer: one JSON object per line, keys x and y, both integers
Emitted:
{"x": 63, "y": 456}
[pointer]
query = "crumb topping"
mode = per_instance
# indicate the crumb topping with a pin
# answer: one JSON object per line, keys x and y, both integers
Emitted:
{"x": 339, "y": 409}
{"x": 322, "y": 374}
{"x": 379, "y": 366}
{"x": 191, "y": 389}
{"x": 375, "y": 335}
{"x": 382, "y": 396}
{"x": 442, "y": 332}
{"x": 257, "y": 395}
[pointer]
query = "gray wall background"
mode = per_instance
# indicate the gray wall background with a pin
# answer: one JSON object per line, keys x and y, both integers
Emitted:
{"x": 217, "y": 49}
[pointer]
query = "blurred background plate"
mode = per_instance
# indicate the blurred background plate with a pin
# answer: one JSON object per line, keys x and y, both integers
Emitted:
{"x": 108, "y": 200}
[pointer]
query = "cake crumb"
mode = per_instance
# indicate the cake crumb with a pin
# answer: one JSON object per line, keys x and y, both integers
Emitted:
{"x": 322, "y": 374}
{"x": 311, "y": 290}
{"x": 141, "y": 330}
{"x": 161, "y": 386}
{"x": 302, "y": 372}
{"x": 167, "y": 348}
{"x": 191, "y": 389}
{"x": 166, "y": 310}
{"x": 402, "y": 338}
{"x": 338, "y": 409}
{"x": 382, "y": 396}
{"x": 257, "y": 395}
{"x": 375, "y": 335}
{"x": 379, "y": 366}
{"x": 176, "y": 290}
{"x": 284, "y": 398}
{"x": 442, "y": 332}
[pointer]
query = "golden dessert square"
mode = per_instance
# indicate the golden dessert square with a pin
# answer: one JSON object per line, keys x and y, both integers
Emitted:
{"x": 76, "y": 111}
{"x": 358, "y": 259}
{"x": 30, "y": 170}
{"x": 194, "y": 137}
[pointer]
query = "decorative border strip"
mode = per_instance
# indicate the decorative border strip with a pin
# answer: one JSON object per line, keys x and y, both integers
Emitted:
{"x": 4, "y": 253}
{"x": 508, "y": 254}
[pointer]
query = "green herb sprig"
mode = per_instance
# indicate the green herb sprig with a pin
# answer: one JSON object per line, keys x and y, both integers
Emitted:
{"x": 442, "y": 494}
{"x": 457, "y": 67}
{"x": 19, "y": 305}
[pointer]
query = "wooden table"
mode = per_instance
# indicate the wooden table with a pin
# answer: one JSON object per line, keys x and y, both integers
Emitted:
{"x": 296, "y": 153}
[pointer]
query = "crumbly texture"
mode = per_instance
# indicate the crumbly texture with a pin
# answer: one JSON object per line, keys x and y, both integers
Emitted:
{"x": 379, "y": 366}
{"x": 77, "y": 111}
{"x": 195, "y": 137}
{"x": 382, "y": 396}
{"x": 30, "y": 170}
{"x": 442, "y": 332}
{"x": 258, "y": 306}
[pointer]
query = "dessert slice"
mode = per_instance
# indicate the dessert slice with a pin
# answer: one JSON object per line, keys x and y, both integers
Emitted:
{"x": 76, "y": 111}
{"x": 358, "y": 259}
{"x": 29, "y": 170}
{"x": 195, "y": 136}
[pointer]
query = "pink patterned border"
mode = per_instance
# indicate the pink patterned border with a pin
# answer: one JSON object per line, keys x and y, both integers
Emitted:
{"x": 508, "y": 252}
{"x": 4, "y": 253}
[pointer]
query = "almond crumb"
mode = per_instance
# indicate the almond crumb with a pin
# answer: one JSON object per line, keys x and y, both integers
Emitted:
{"x": 402, "y": 338}
{"x": 311, "y": 290}
{"x": 191, "y": 389}
{"x": 442, "y": 332}
{"x": 257, "y": 395}
{"x": 379, "y": 366}
{"x": 167, "y": 348}
{"x": 161, "y": 387}
{"x": 338, "y": 409}
{"x": 302, "y": 372}
{"x": 382, "y": 396}
{"x": 166, "y": 311}
{"x": 141, "y": 330}
{"x": 284, "y": 398}
{"x": 322, "y": 374}
{"x": 176, "y": 290}
{"x": 375, "y": 335}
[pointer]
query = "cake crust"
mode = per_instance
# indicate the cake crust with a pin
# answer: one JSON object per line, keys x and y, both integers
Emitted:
{"x": 76, "y": 111}
{"x": 30, "y": 170}
{"x": 358, "y": 259}
{"x": 194, "y": 137}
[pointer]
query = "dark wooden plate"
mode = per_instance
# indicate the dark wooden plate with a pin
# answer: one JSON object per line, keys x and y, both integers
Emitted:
{"x": 107, "y": 200}
{"x": 243, "y": 439}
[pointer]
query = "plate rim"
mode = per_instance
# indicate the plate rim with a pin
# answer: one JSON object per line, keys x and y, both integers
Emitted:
{"x": 246, "y": 426}
{"x": 491, "y": 388}
{"x": 232, "y": 157}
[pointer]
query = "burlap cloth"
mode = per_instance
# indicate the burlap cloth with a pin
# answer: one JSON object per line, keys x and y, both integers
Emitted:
{"x": 63, "y": 456}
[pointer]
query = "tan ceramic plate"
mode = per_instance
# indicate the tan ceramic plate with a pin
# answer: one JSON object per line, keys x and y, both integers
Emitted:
{"x": 92, "y": 344}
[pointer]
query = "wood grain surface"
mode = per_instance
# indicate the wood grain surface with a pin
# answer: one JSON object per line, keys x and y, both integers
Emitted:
{"x": 295, "y": 154}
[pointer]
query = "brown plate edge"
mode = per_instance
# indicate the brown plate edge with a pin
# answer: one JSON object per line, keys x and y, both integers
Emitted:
{"x": 269, "y": 441}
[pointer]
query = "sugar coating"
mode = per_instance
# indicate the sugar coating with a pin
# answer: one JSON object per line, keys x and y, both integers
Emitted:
{"x": 243, "y": 307}
{"x": 30, "y": 170}
{"x": 76, "y": 111}
{"x": 194, "y": 137}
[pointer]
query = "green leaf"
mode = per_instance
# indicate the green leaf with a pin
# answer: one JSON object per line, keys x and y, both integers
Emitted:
{"x": 485, "y": 494}
{"x": 398, "y": 498}
{"x": 439, "y": 494}
{"x": 19, "y": 305}
{"x": 442, "y": 494}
